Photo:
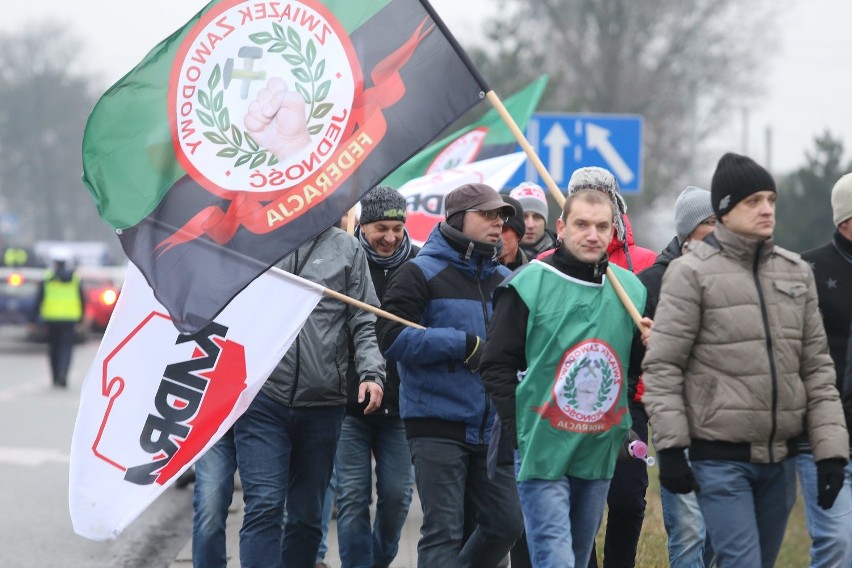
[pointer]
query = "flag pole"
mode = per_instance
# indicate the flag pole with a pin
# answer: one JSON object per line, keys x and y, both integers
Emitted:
{"x": 284, "y": 275}
{"x": 525, "y": 145}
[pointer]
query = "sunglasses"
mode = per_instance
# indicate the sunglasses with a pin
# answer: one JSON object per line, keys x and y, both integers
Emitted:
{"x": 491, "y": 215}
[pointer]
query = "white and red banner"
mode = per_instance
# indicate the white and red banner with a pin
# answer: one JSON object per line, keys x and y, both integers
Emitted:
{"x": 155, "y": 400}
{"x": 424, "y": 196}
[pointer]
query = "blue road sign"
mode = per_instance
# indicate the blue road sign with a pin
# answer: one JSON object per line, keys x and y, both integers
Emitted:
{"x": 565, "y": 142}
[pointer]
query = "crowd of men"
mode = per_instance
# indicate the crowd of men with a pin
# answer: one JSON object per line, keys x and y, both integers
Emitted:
{"x": 522, "y": 364}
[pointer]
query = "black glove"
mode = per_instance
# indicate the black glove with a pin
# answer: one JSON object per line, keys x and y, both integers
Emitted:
{"x": 829, "y": 481}
{"x": 473, "y": 349}
{"x": 675, "y": 473}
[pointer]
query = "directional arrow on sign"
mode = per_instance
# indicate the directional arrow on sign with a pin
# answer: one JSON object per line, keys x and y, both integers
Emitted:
{"x": 556, "y": 141}
{"x": 597, "y": 138}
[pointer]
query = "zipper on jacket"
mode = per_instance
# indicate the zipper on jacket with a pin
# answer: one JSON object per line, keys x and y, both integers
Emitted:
{"x": 769, "y": 351}
{"x": 484, "y": 305}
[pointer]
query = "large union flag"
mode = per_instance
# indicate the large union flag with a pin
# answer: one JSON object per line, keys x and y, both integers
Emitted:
{"x": 486, "y": 138}
{"x": 255, "y": 126}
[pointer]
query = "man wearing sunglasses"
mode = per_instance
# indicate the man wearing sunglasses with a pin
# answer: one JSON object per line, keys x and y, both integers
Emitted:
{"x": 447, "y": 288}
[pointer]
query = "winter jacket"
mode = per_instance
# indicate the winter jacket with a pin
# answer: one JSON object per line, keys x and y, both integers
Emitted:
{"x": 832, "y": 266}
{"x": 390, "y": 396}
{"x": 446, "y": 288}
{"x": 313, "y": 371}
{"x": 626, "y": 254}
{"x": 738, "y": 361}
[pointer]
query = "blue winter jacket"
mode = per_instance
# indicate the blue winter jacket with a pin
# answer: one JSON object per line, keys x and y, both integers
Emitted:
{"x": 447, "y": 288}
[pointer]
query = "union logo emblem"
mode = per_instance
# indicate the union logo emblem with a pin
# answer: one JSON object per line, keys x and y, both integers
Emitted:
{"x": 261, "y": 95}
{"x": 586, "y": 390}
{"x": 462, "y": 150}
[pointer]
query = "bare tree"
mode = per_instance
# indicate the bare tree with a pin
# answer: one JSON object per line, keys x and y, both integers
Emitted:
{"x": 46, "y": 101}
{"x": 683, "y": 66}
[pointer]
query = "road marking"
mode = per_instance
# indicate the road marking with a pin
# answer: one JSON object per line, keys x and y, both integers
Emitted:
{"x": 32, "y": 456}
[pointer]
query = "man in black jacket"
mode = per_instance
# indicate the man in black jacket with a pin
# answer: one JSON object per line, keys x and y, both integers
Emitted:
{"x": 381, "y": 434}
{"x": 831, "y": 530}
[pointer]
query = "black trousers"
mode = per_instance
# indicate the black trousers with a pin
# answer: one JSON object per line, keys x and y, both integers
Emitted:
{"x": 60, "y": 340}
{"x": 626, "y": 502}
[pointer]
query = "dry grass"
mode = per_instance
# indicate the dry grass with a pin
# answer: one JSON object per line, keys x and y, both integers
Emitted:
{"x": 652, "y": 543}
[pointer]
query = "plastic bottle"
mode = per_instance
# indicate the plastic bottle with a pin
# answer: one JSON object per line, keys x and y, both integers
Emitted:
{"x": 639, "y": 450}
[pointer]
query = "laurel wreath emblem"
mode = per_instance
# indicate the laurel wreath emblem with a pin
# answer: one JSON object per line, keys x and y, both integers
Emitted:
{"x": 228, "y": 134}
{"x": 570, "y": 388}
{"x": 606, "y": 383}
{"x": 308, "y": 72}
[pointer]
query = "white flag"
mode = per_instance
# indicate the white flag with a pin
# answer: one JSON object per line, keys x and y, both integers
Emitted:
{"x": 424, "y": 196}
{"x": 154, "y": 400}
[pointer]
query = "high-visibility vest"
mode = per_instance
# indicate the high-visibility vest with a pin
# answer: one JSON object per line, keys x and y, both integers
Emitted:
{"x": 61, "y": 300}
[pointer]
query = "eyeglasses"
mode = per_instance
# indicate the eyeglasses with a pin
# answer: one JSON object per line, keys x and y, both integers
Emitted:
{"x": 711, "y": 221}
{"x": 491, "y": 215}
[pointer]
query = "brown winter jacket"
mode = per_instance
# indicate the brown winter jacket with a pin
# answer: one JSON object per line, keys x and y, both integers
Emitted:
{"x": 738, "y": 360}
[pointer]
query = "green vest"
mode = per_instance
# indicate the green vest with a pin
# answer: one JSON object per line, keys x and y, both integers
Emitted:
{"x": 61, "y": 299}
{"x": 572, "y": 401}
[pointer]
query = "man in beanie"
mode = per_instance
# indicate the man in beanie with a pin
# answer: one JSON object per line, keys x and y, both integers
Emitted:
{"x": 687, "y": 542}
{"x": 626, "y": 498}
{"x": 737, "y": 366}
{"x": 559, "y": 325}
{"x": 380, "y": 434}
{"x": 513, "y": 255}
{"x": 447, "y": 288}
{"x": 831, "y": 530}
{"x": 536, "y": 238}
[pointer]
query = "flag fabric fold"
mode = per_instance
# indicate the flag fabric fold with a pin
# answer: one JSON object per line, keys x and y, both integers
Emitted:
{"x": 424, "y": 196}
{"x": 155, "y": 399}
{"x": 256, "y": 126}
{"x": 485, "y": 138}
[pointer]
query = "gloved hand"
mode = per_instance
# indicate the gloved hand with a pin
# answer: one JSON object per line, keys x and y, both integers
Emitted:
{"x": 829, "y": 481}
{"x": 473, "y": 346}
{"x": 675, "y": 473}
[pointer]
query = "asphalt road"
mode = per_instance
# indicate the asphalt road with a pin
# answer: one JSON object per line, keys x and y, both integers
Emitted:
{"x": 36, "y": 424}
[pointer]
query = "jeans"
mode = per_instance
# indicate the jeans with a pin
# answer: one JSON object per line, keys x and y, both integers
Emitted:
{"x": 327, "y": 506}
{"x": 214, "y": 490}
{"x": 831, "y": 530}
{"x": 626, "y": 502}
{"x": 362, "y": 546}
{"x": 745, "y": 507}
{"x": 445, "y": 470}
{"x": 688, "y": 543}
{"x": 562, "y": 518}
{"x": 60, "y": 340}
{"x": 284, "y": 454}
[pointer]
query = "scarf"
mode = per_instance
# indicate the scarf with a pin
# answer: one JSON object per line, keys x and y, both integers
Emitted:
{"x": 386, "y": 262}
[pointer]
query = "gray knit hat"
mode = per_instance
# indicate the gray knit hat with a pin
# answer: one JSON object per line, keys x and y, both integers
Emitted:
{"x": 382, "y": 203}
{"x": 532, "y": 198}
{"x": 693, "y": 205}
{"x": 600, "y": 179}
{"x": 841, "y": 199}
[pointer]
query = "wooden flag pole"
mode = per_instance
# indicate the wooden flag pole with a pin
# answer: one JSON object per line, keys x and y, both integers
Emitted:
{"x": 557, "y": 195}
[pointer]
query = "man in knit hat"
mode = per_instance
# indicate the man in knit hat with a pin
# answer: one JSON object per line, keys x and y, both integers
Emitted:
{"x": 831, "y": 530}
{"x": 536, "y": 238}
{"x": 687, "y": 542}
{"x": 737, "y": 366}
{"x": 514, "y": 228}
{"x": 626, "y": 498}
{"x": 380, "y": 434}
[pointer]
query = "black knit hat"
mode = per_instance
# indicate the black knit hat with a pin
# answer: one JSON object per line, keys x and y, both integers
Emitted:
{"x": 515, "y": 221}
{"x": 736, "y": 178}
{"x": 382, "y": 203}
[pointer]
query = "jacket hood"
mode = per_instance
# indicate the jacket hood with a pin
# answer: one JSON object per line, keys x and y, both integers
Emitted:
{"x": 453, "y": 247}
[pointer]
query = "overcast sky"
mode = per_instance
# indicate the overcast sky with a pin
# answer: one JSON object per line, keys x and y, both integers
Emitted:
{"x": 809, "y": 88}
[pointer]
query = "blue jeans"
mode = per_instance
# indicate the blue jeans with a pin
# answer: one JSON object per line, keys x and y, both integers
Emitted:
{"x": 562, "y": 518}
{"x": 688, "y": 543}
{"x": 212, "y": 495}
{"x": 327, "y": 506}
{"x": 360, "y": 545}
{"x": 745, "y": 508}
{"x": 445, "y": 471}
{"x": 284, "y": 454}
{"x": 831, "y": 530}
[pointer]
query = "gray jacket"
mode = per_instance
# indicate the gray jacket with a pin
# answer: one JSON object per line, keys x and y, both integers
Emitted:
{"x": 738, "y": 360}
{"x": 313, "y": 371}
